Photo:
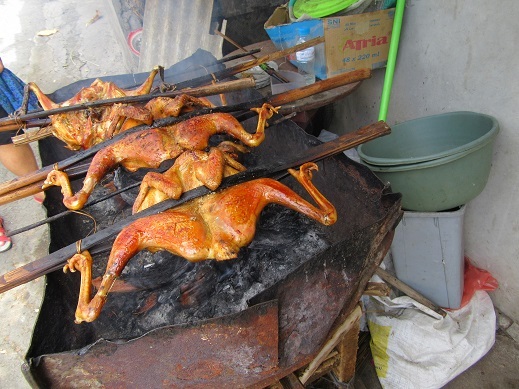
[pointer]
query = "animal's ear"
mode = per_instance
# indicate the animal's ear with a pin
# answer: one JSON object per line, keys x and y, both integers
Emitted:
{"x": 45, "y": 102}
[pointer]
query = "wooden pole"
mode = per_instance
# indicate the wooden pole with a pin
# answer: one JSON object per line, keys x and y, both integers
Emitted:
{"x": 207, "y": 90}
{"x": 320, "y": 86}
{"x": 280, "y": 99}
{"x": 73, "y": 173}
{"x": 181, "y": 87}
{"x": 58, "y": 258}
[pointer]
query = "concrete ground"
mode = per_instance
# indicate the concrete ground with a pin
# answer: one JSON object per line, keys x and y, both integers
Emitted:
{"x": 53, "y": 44}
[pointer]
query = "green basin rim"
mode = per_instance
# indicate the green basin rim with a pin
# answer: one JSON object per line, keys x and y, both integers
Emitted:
{"x": 426, "y": 164}
{"x": 473, "y": 145}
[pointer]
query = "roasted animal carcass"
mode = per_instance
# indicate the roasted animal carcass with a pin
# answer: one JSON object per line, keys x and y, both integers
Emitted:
{"x": 121, "y": 117}
{"x": 85, "y": 128}
{"x": 82, "y": 129}
{"x": 192, "y": 168}
{"x": 150, "y": 147}
{"x": 215, "y": 226}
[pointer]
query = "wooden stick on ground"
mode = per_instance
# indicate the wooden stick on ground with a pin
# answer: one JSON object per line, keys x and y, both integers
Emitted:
{"x": 330, "y": 345}
{"x": 395, "y": 282}
{"x": 280, "y": 99}
{"x": 58, "y": 258}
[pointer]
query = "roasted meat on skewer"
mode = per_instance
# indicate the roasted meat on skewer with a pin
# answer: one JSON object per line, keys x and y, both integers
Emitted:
{"x": 162, "y": 107}
{"x": 193, "y": 168}
{"x": 215, "y": 226}
{"x": 85, "y": 128}
{"x": 150, "y": 147}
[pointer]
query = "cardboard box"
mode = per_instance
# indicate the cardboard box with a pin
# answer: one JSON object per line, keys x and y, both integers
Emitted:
{"x": 357, "y": 41}
{"x": 351, "y": 42}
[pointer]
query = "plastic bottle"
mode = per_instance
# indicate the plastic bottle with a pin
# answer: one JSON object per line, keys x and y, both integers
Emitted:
{"x": 305, "y": 58}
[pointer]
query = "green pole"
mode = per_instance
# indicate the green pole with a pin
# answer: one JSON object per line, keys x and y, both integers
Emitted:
{"x": 391, "y": 59}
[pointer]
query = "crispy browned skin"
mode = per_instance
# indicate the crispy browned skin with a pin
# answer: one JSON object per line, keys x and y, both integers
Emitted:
{"x": 162, "y": 107}
{"x": 212, "y": 227}
{"x": 149, "y": 148}
{"x": 193, "y": 168}
{"x": 83, "y": 129}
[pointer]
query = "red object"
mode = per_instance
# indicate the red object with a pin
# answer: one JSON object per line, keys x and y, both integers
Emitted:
{"x": 5, "y": 241}
{"x": 132, "y": 39}
{"x": 476, "y": 279}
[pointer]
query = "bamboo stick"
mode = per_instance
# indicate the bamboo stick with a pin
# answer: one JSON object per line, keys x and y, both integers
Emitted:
{"x": 320, "y": 86}
{"x": 21, "y": 193}
{"x": 57, "y": 259}
{"x": 181, "y": 87}
{"x": 280, "y": 99}
{"x": 26, "y": 124}
{"x": 81, "y": 170}
{"x": 206, "y": 90}
{"x": 265, "y": 67}
{"x": 35, "y": 187}
{"x": 32, "y": 136}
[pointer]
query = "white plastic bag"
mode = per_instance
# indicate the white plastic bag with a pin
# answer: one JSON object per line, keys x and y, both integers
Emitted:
{"x": 414, "y": 347}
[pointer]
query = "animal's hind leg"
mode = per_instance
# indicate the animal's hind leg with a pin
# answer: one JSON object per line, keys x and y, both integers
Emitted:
{"x": 326, "y": 211}
{"x": 126, "y": 245}
{"x": 88, "y": 309}
{"x": 101, "y": 164}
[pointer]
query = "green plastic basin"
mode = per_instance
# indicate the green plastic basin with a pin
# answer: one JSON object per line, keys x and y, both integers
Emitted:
{"x": 448, "y": 179}
{"x": 429, "y": 138}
